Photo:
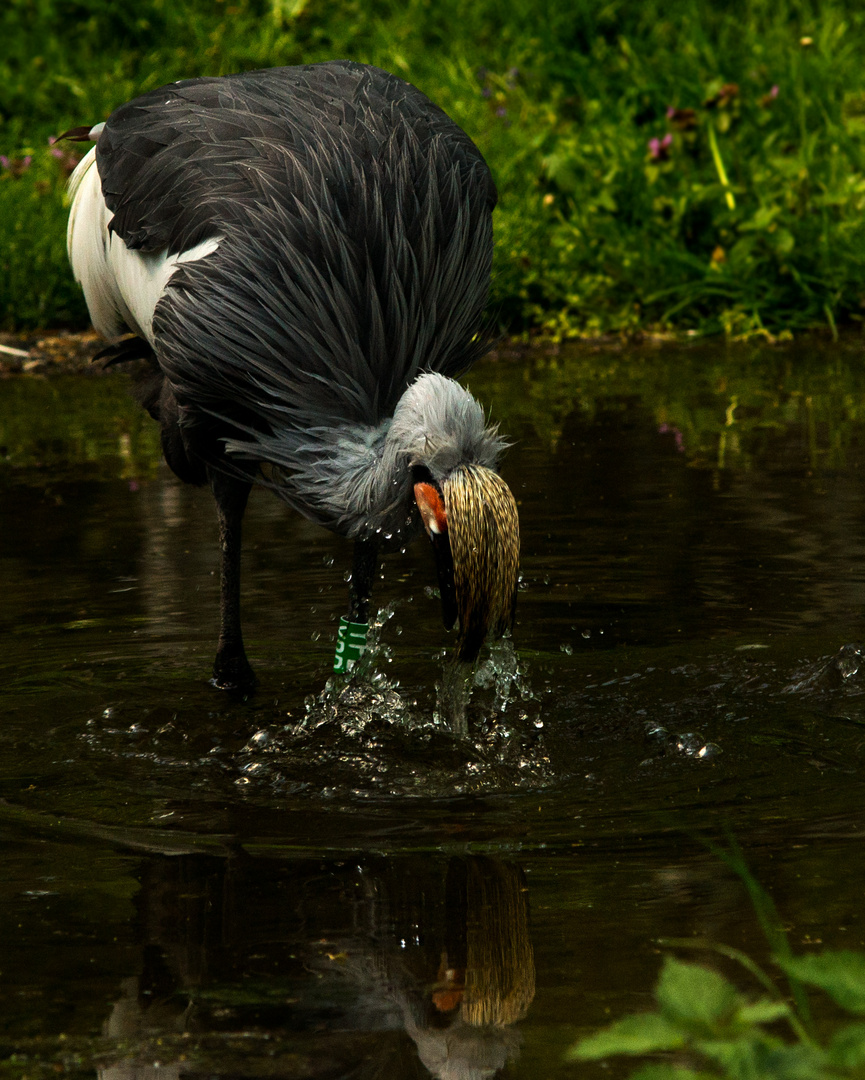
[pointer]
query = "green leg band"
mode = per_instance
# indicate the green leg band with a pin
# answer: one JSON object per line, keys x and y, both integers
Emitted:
{"x": 350, "y": 644}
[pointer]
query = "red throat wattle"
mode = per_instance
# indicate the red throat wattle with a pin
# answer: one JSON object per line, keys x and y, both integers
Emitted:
{"x": 432, "y": 508}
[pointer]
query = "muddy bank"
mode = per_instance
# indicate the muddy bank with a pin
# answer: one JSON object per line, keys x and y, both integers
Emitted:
{"x": 49, "y": 351}
{"x": 67, "y": 351}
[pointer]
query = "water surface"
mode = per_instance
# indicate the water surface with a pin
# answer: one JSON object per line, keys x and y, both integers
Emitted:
{"x": 318, "y": 883}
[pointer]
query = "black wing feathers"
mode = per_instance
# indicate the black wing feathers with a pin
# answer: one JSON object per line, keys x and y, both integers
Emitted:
{"x": 355, "y": 239}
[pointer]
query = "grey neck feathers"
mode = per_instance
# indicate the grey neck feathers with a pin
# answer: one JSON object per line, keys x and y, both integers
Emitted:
{"x": 357, "y": 480}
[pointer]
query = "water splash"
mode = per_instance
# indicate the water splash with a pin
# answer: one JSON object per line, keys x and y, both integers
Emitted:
{"x": 366, "y": 736}
{"x": 691, "y": 744}
{"x": 363, "y": 736}
{"x": 454, "y": 693}
{"x": 839, "y": 670}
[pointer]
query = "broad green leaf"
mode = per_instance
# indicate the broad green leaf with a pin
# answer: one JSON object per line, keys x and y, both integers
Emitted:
{"x": 796, "y": 1062}
{"x": 763, "y": 1011}
{"x": 691, "y": 994}
{"x": 847, "y": 1048}
{"x": 783, "y": 241}
{"x": 761, "y": 220}
{"x": 640, "y": 1034}
{"x": 841, "y": 974}
{"x": 750, "y": 1058}
{"x": 737, "y": 1057}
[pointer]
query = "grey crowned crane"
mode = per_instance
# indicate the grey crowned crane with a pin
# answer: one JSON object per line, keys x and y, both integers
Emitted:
{"x": 302, "y": 257}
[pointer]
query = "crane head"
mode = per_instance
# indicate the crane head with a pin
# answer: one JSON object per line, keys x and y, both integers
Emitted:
{"x": 471, "y": 519}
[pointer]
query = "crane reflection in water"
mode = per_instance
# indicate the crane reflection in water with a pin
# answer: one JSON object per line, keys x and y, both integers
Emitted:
{"x": 387, "y": 962}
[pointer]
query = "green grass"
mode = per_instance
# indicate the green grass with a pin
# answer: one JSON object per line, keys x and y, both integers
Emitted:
{"x": 748, "y": 219}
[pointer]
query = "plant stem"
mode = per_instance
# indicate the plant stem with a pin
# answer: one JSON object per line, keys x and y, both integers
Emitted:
{"x": 719, "y": 165}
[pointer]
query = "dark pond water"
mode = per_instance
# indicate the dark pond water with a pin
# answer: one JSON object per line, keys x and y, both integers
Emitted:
{"x": 322, "y": 884}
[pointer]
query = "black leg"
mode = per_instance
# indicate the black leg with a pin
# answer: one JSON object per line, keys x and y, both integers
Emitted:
{"x": 363, "y": 568}
{"x": 231, "y": 670}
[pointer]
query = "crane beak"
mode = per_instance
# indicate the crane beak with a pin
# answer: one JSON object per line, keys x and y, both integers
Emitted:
{"x": 473, "y": 525}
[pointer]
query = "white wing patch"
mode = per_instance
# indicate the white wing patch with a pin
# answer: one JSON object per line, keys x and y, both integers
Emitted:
{"x": 121, "y": 287}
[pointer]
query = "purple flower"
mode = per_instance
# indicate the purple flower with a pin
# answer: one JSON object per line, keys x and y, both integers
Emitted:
{"x": 486, "y": 92}
{"x": 16, "y": 166}
{"x": 659, "y": 149}
{"x": 683, "y": 119}
{"x": 678, "y": 438}
{"x": 773, "y": 93}
{"x": 501, "y": 111}
{"x": 66, "y": 159}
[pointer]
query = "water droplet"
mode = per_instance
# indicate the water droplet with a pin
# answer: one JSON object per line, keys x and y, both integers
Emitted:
{"x": 108, "y": 714}
{"x": 315, "y": 635}
{"x": 690, "y": 743}
{"x": 587, "y": 634}
{"x": 567, "y": 649}
{"x": 848, "y": 664}
{"x": 656, "y": 732}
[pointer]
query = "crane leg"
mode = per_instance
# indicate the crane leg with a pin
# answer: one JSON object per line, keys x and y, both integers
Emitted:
{"x": 363, "y": 568}
{"x": 231, "y": 670}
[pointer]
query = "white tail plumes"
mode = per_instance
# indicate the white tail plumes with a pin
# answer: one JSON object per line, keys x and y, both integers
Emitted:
{"x": 121, "y": 287}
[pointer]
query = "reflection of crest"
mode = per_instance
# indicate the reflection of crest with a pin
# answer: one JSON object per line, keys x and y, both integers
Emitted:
{"x": 379, "y": 960}
{"x": 500, "y": 970}
{"x": 486, "y": 978}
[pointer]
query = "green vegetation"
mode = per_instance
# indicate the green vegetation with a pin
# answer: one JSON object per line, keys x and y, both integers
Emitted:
{"x": 666, "y": 165}
{"x": 728, "y": 1034}
{"x": 707, "y": 1029}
